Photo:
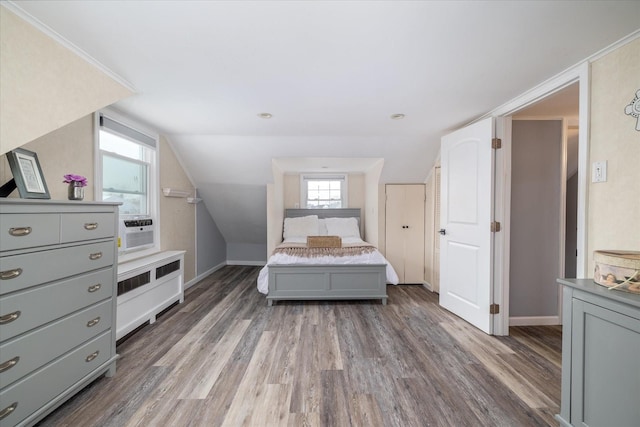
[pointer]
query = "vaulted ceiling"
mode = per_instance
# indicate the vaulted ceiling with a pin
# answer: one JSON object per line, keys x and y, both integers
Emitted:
{"x": 330, "y": 73}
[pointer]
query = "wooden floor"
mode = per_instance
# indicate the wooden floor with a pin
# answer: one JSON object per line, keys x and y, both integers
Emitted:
{"x": 224, "y": 358}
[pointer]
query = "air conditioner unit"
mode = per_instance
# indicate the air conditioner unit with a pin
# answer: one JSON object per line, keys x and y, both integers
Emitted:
{"x": 135, "y": 234}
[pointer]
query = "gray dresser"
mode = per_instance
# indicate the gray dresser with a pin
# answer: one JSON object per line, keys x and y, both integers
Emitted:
{"x": 57, "y": 303}
{"x": 600, "y": 356}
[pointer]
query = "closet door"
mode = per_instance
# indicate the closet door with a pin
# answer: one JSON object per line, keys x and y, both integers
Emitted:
{"x": 394, "y": 231}
{"x": 405, "y": 206}
{"x": 414, "y": 234}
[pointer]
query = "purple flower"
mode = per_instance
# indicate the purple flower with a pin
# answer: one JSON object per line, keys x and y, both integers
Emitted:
{"x": 69, "y": 178}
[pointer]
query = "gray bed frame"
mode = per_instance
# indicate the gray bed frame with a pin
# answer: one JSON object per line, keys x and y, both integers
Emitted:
{"x": 327, "y": 282}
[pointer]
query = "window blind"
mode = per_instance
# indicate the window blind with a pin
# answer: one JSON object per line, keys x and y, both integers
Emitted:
{"x": 126, "y": 132}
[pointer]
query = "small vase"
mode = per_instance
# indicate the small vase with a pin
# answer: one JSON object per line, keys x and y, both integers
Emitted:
{"x": 76, "y": 191}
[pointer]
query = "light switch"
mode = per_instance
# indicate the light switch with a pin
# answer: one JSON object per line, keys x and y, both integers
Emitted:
{"x": 599, "y": 172}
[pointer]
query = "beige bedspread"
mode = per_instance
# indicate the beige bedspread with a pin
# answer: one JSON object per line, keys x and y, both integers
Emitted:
{"x": 302, "y": 250}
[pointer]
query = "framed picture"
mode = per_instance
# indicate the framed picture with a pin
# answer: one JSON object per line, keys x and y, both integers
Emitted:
{"x": 27, "y": 174}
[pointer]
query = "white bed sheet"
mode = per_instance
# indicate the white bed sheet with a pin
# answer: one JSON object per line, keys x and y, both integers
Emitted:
{"x": 374, "y": 257}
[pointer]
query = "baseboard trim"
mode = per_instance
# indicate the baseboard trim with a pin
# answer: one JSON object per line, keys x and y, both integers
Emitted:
{"x": 534, "y": 320}
{"x": 255, "y": 263}
{"x": 203, "y": 275}
{"x": 428, "y": 286}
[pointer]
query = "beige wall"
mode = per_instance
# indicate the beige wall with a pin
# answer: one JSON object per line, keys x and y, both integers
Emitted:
{"x": 291, "y": 188}
{"x": 371, "y": 203}
{"x": 177, "y": 217}
{"x": 66, "y": 150}
{"x": 275, "y": 209}
{"x": 44, "y": 85}
{"x": 70, "y": 149}
{"x": 614, "y": 206}
{"x": 356, "y": 195}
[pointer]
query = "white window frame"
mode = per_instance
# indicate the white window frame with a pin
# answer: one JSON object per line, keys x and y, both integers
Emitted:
{"x": 344, "y": 196}
{"x": 153, "y": 178}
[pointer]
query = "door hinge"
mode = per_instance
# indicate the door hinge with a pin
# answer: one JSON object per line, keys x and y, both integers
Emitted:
{"x": 496, "y": 143}
{"x": 494, "y": 309}
{"x": 495, "y": 227}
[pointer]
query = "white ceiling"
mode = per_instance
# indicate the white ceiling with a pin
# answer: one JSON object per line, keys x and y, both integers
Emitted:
{"x": 330, "y": 72}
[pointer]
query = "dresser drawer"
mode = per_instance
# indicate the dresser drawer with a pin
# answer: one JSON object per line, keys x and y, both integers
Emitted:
{"x": 18, "y": 231}
{"x": 43, "y": 385}
{"x": 46, "y": 266}
{"x": 86, "y": 226}
{"x": 40, "y": 305}
{"x": 24, "y": 354}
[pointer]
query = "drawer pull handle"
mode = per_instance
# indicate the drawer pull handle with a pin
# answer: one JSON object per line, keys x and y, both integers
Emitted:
{"x": 92, "y": 356}
{"x": 8, "y": 410}
{"x": 94, "y": 288}
{"x": 8, "y": 318}
{"x": 93, "y": 322}
{"x": 20, "y": 231}
{"x": 95, "y": 256}
{"x": 10, "y": 274}
{"x": 91, "y": 226}
{"x": 9, "y": 364}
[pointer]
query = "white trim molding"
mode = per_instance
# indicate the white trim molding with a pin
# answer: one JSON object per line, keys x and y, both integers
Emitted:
{"x": 204, "y": 275}
{"x": 240, "y": 262}
{"x": 535, "y": 320}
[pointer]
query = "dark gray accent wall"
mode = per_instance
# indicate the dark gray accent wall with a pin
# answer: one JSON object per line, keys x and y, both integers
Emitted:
{"x": 571, "y": 241}
{"x": 211, "y": 246}
{"x": 535, "y": 217}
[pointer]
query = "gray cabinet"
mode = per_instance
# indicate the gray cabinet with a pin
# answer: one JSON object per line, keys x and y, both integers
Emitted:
{"x": 57, "y": 303}
{"x": 600, "y": 350}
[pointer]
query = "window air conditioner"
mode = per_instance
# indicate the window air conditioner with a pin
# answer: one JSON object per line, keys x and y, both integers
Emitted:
{"x": 135, "y": 234}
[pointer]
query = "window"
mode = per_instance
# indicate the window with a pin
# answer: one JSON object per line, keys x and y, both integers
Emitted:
{"x": 323, "y": 191}
{"x": 126, "y": 169}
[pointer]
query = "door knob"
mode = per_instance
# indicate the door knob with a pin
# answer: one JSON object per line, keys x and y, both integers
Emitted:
{"x": 442, "y": 231}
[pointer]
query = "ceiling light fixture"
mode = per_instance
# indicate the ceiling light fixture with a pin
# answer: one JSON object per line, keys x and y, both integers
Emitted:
{"x": 398, "y": 116}
{"x": 265, "y": 115}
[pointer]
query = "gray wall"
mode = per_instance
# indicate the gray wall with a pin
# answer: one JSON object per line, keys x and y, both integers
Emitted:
{"x": 247, "y": 253}
{"x": 211, "y": 246}
{"x": 535, "y": 217}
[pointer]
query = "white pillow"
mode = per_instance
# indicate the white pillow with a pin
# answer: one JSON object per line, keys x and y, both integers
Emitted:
{"x": 322, "y": 227}
{"x": 301, "y": 227}
{"x": 343, "y": 227}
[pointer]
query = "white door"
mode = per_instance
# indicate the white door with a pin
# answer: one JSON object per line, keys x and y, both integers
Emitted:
{"x": 466, "y": 211}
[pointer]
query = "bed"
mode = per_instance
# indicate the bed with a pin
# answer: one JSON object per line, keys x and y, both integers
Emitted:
{"x": 361, "y": 274}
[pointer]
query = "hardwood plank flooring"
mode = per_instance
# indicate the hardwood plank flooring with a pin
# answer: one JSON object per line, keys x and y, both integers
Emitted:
{"x": 223, "y": 358}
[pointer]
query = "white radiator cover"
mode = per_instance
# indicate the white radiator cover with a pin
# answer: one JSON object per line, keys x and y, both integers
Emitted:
{"x": 142, "y": 304}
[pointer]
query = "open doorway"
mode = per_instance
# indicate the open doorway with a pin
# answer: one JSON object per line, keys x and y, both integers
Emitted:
{"x": 575, "y": 79}
{"x": 544, "y": 186}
